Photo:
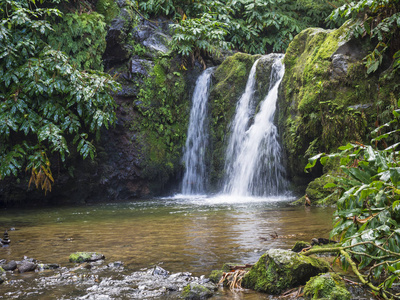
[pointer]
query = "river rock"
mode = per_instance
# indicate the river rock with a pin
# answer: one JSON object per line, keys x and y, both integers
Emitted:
{"x": 300, "y": 245}
{"x": 42, "y": 267}
{"x": 11, "y": 266}
{"x": 26, "y": 266}
{"x": 326, "y": 286}
{"x": 79, "y": 257}
{"x": 278, "y": 270}
{"x": 196, "y": 291}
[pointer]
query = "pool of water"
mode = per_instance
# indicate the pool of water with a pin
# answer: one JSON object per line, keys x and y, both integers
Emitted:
{"x": 194, "y": 234}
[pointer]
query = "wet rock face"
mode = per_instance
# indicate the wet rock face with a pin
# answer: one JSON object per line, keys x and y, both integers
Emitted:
{"x": 278, "y": 270}
{"x": 153, "y": 35}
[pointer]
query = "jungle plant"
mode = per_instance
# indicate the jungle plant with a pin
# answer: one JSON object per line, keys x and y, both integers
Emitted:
{"x": 368, "y": 211}
{"x": 198, "y": 36}
{"x": 380, "y": 21}
{"x": 82, "y": 37}
{"x": 46, "y": 104}
{"x": 253, "y": 26}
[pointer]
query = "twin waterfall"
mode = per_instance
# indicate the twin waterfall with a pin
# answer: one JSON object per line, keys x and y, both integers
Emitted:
{"x": 253, "y": 165}
{"x": 194, "y": 180}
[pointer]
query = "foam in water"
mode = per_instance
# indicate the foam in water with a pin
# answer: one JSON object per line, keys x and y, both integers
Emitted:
{"x": 253, "y": 158}
{"x": 195, "y": 179}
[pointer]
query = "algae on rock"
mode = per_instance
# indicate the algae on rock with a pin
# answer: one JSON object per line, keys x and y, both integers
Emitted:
{"x": 278, "y": 270}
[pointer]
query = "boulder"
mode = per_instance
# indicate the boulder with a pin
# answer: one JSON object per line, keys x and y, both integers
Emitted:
{"x": 326, "y": 286}
{"x": 278, "y": 270}
{"x": 79, "y": 257}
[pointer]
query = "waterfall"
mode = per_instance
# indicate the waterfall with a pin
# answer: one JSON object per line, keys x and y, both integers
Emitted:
{"x": 194, "y": 179}
{"x": 253, "y": 157}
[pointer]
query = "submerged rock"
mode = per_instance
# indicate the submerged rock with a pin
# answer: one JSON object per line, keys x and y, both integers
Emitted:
{"x": 196, "y": 291}
{"x": 10, "y": 266}
{"x": 26, "y": 266}
{"x": 326, "y": 286}
{"x": 278, "y": 270}
{"x": 79, "y": 257}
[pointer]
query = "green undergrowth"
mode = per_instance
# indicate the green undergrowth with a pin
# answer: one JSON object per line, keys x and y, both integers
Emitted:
{"x": 164, "y": 110}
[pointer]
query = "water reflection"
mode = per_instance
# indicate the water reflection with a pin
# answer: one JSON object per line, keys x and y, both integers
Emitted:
{"x": 195, "y": 234}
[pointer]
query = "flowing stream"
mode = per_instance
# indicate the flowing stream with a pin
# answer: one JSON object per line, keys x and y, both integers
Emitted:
{"x": 187, "y": 234}
{"x": 194, "y": 179}
{"x": 253, "y": 157}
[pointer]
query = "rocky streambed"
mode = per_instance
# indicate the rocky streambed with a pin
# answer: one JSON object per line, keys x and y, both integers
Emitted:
{"x": 30, "y": 279}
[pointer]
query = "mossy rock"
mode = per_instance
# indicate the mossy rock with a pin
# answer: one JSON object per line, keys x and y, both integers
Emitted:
{"x": 195, "y": 291}
{"x": 327, "y": 286}
{"x": 79, "y": 257}
{"x": 300, "y": 245}
{"x": 326, "y": 99}
{"x": 278, "y": 270}
{"x": 216, "y": 275}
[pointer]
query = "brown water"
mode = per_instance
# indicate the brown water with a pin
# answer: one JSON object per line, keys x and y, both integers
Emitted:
{"x": 180, "y": 234}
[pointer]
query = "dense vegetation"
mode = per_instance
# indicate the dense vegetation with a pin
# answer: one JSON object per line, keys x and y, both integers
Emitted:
{"x": 368, "y": 210}
{"x": 253, "y": 26}
{"x": 48, "y": 104}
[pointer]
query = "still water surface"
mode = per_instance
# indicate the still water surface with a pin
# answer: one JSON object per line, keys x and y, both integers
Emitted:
{"x": 196, "y": 234}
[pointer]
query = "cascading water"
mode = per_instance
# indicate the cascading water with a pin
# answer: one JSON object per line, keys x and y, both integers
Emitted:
{"x": 194, "y": 179}
{"x": 253, "y": 158}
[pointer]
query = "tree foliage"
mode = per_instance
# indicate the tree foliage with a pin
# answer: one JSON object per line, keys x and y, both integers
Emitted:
{"x": 82, "y": 37}
{"x": 380, "y": 21}
{"x": 46, "y": 103}
{"x": 253, "y": 26}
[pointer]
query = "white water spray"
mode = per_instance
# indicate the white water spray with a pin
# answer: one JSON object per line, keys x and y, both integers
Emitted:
{"x": 253, "y": 158}
{"x": 195, "y": 179}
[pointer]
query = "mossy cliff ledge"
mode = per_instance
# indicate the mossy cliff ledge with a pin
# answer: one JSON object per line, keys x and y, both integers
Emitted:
{"x": 278, "y": 270}
{"x": 327, "y": 99}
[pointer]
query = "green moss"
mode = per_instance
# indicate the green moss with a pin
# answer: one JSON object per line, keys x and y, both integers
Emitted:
{"x": 162, "y": 121}
{"x": 278, "y": 270}
{"x": 327, "y": 286}
{"x": 79, "y": 257}
{"x": 300, "y": 245}
{"x": 322, "y": 108}
{"x": 216, "y": 275}
{"x": 195, "y": 291}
